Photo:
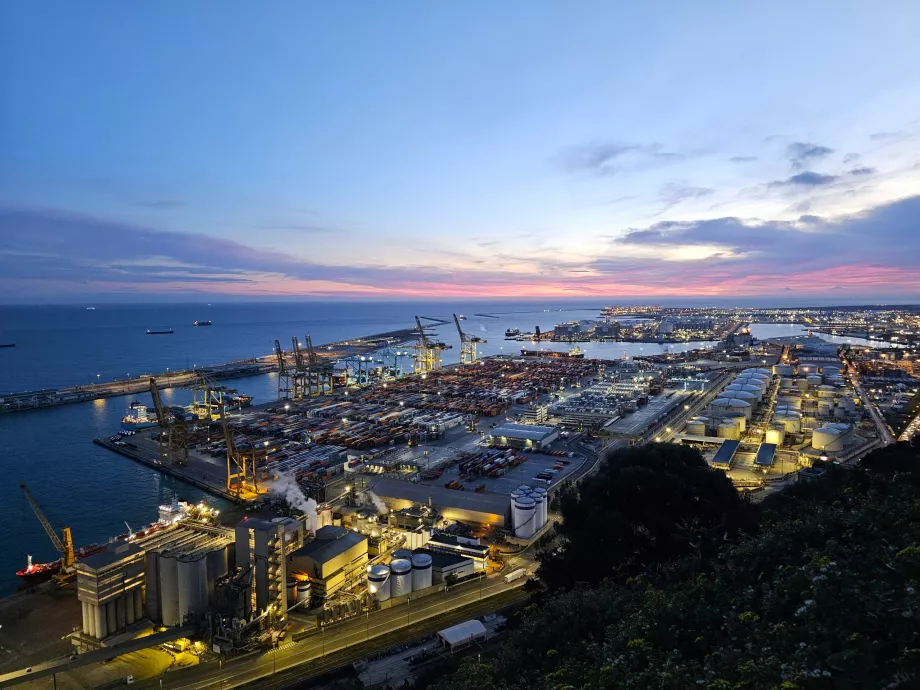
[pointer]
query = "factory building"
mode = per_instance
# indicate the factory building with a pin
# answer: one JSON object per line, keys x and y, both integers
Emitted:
{"x": 448, "y": 567}
{"x": 567, "y": 330}
{"x": 523, "y": 436}
{"x": 263, "y": 547}
{"x": 182, "y": 564}
{"x": 462, "y": 506}
{"x": 334, "y": 558}
{"x": 110, "y": 589}
{"x": 460, "y": 546}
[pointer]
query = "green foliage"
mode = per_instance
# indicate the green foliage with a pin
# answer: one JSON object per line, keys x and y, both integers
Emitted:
{"x": 825, "y": 596}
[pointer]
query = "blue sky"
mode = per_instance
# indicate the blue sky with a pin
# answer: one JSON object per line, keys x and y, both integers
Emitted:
{"x": 482, "y": 149}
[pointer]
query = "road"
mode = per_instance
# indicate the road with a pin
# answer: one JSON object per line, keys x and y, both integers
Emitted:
{"x": 436, "y": 611}
{"x": 884, "y": 433}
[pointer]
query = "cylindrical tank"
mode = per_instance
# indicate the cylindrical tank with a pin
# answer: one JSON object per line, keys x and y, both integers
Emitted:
{"x": 291, "y": 592}
{"x": 217, "y": 565}
{"x": 303, "y": 592}
{"x": 728, "y": 430}
{"x": 192, "y": 574}
{"x": 757, "y": 370}
{"x": 539, "y": 511}
{"x": 830, "y": 370}
{"x": 402, "y": 554}
{"x": 782, "y": 370}
{"x": 400, "y": 577}
{"x": 825, "y": 391}
{"x": 791, "y": 421}
{"x": 526, "y": 514}
{"x": 743, "y": 395}
{"x": 827, "y": 438}
{"x": 775, "y": 434}
{"x": 808, "y": 369}
{"x": 378, "y": 582}
{"x": 152, "y": 582}
{"x": 846, "y": 432}
{"x": 696, "y": 428}
{"x": 814, "y": 381}
{"x": 802, "y": 385}
{"x": 169, "y": 590}
{"x": 421, "y": 571}
{"x": 540, "y": 491}
{"x": 791, "y": 403}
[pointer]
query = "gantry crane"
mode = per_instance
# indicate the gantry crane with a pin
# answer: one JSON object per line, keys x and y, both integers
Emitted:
{"x": 64, "y": 543}
{"x": 242, "y": 463}
{"x": 319, "y": 376}
{"x": 208, "y": 397}
{"x": 174, "y": 431}
{"x": 467, "y": 344}
{"x": 285, "y": 383}
{"x": 429, "y": 351}
{"x": 300, "y": 377}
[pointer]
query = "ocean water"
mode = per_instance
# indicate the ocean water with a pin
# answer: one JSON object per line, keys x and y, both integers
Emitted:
{"x": 94, "y": 491}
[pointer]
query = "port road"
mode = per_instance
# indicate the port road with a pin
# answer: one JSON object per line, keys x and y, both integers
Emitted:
{"x": 415, "y": 618}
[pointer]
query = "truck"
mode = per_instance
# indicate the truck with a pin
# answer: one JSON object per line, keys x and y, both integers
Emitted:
{"x": 514, "y": 575}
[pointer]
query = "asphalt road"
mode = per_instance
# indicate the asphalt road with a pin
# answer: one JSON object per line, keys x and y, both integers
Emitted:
{"x": 884, "y": 433}
{"x": 339, "y": 636}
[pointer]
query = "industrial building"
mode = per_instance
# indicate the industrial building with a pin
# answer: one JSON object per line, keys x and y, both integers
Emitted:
{"x": 460, "y": 546}
{"x": 446, "y": 566}
{"x": 462, "y": 506}
{"x": 462, "y": 635}
{"x": 110, "y": 588}
{"x": 263, "y": 547}
{"x": 335, "y": 557}
{"x": 523, "y": 436}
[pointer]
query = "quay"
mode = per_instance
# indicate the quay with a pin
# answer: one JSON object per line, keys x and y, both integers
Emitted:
{"x": 52, "y": 397}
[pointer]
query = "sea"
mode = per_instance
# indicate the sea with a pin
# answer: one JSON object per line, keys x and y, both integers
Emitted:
{"x": 99, "y": 494}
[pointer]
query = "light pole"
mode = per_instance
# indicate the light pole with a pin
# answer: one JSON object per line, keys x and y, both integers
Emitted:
{"x": 408, "y": 610}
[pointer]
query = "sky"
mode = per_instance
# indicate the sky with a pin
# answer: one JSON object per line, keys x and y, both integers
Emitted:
{"x": 368, "y": 150}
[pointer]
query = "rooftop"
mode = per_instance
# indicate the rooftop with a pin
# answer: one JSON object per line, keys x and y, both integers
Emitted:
{"x": 462, "y": 632}
{"x": 440, "y": 497}
{"x": 115, "y": 552}
{"x": 527, "y": 431}
{"x": 726, "y": 452}
{"x": 323, "y": 549}
{"x": 443, "y": 560}
{"x": 765, "y": 454}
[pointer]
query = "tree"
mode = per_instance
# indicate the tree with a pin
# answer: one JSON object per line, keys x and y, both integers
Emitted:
{"x": 645, "y": 506}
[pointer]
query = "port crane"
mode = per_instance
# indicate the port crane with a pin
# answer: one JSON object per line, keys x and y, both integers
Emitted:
{"x": 300, "y": 377}
{"x": 319, "y": 371}
{"x": 174, "y": 431}
{"x": 429, "y": 351}
{"x": 242, "y": 463}
{"x": 286, "y": 383}
{"x": 63, "y": 545}
{"x": 467, "y": 344}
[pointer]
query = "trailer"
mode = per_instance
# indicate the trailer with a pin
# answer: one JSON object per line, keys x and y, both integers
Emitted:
{"x": 515, "y": 575}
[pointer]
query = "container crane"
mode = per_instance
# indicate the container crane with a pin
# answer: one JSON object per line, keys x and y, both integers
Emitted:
{"x": 320, "y": 371}
{"x": 63, "y": 545}
{"x": 174, "y": 431}
{"x": 467, "y": 344}
{"x": 242, "y": 464}
{"x": 429, "y": 351}
{"x": 300, "y": 378}
{"x": 284, "y": 374}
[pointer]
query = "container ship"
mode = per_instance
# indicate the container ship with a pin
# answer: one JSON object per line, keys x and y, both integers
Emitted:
{"x": 36, "y": 573}
{"x": 168, "y": 331}
{"x": 137, "y": 417}
{"x": 201, "y": 323}
{"x": 574, "y": 353}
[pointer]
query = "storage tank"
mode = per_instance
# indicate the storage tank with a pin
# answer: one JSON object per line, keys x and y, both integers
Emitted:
{"x": 378, "y": 582}
{"x": 757, "y": 370}
{"x": 825, "y": 391}
{"x": 731, "y": 407}
{"x": 830, "y": 371}
{"x": 290, "y": 590}
{"x": 786, "y": 384}
{"x": 401, "y": 554}
{"x": 696, "y": 428}
{"x": 743, "y": 395}
{"x": 525, "y": 527}
{"x": 791, "y": 421}
{"x": 791, "y": 403}
{"x": 782, "y": 370}
{"x": 808, "y": 369}
{"x": 814, "y": 381}
{"x": 846, "y": 432}
{"x": 540, "y": 491}
{"x": 775, "y": 434}
{"x": 169, "y": 590}
{"x": 539, "y": 511}
{"x": 400, "y": 577}
{"x": 421, "y": 571}
{"x": 217, "y": 565}
{"x": 827, "y": 438}
{"x": 728, "y": 430}
{"x": 304, "y": 591}
{"x": 802, "y": 385}
{"x": 192, "y": 574}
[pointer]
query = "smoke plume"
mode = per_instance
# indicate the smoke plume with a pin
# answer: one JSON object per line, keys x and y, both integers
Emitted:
{"x": 378, "y": 504}
{"x": 287, "y": 489}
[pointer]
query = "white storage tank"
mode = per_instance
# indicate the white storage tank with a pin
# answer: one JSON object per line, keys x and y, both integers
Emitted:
{"x": 421, "y": 571}
{"x": 540, "y": 491}
{"x": 827, "y": 438}
{"x": 525, "y": 510}
{"x": 802, "y": 385}
{"x": 775, "y": 434}
{"x": 825, "y": 391}
{"x": 291, "y": 592}
{"x": 786, "y": 384}
{"x": 743, "y": 395}
{"x": 808, "y": 369}
{"x": 539, "y": 511}
{"x": 725, "y": 407}
{"x": 846, "y": 432}
{"x": 757, "y": 370}
{"x": 303, "y": 593}
{"x": 378, "y": 582}
{"x": 791, "y": 403}
{"x": 728, "y": 430}
{"x": 791, "y": 421}
{"x": 400, "y": 577}
{"x": 695, "y": 427}
{"x": 814, "y": 381}
{"x": 169, "y": 590}
{"x": 830, "y": 371}
{"x": 193, "y": 598}
{"x": 782, "y": 370}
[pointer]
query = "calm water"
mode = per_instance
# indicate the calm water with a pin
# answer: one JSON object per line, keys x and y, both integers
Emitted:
{"x": 783, "y": 330}
{"x": 94, "y": 491}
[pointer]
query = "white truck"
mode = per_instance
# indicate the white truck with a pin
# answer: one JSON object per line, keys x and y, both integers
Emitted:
{"x": 515, "y": 575}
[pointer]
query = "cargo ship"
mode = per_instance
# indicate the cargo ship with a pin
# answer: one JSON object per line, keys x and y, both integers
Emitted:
{"x": 7, "y": 344}
{"x": 36, "y": 573}
{"x": 512, "y": 332}
{"x": 202, "y": 323}
{"x": 137, "y": 417}
{"x": 574, "y": 353}
{"x": 168, "y": 331}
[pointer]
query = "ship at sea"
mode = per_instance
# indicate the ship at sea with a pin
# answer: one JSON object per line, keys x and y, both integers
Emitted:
{"x": 168, "y": 331}
{"x": 512, "y": 332}
{"x": 7, "y": 344}
{"x": 36, "y": 573}
{"x": 201, "y": 323}
{"x": 574, "y": 353}
{"x": 137, "y": 417}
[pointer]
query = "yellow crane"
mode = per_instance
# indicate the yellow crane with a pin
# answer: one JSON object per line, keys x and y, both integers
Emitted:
{"x": 467, "y": 344}
{"x": 64, "y": 543}
{"x": 429, "y": 351}
{"x": 174, "y": 433}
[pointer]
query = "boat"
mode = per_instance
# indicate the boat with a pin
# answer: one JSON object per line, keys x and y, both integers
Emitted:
{"x": 239, "y": 400}
{"x": 512, "y": 332}
{"x": 36, "y": 573}
{"x": 574, "y": 353}
{"x": 462, "y": 317}
{"x": 202, "y": 323}
{"x": 166, "y": 332}
{"x": 91, "y": 309}
{"x": 137, "y": 417}
{"x": 7, "y": 344}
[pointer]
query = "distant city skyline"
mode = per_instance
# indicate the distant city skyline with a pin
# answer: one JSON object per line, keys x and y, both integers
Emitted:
{"x": 755, "y": 153}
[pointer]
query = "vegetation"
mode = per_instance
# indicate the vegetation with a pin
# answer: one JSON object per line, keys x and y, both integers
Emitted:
{"x": 823, "y": 595}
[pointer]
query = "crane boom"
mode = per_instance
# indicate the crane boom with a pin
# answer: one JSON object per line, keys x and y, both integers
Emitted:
{"x": 158, "y": 404}
{"x": 65, "y": 548}
{"x": 459, "y": 330}
{"x": 279, "y": 353}
{"x": 421, "y": 332}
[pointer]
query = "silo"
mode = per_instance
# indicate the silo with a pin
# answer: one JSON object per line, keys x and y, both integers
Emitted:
{"x": 303, "y": 593}
{"x": 192, "y": 573}
{"x": 401, "y": 554}
{"x": 802, "y": 385}
{"x": 400, "y": 577}
{"x": 814, "y": 381}
{"x": 169, "y": 590}
{"x": 540, "y": 491}
{"x": 728, "y": 430}
{"x": 421, "y": 571}
{"x": 152, "y": 581}
{"x": 378, "y": 582}
{"x": 782, "y": 370}
{"x": 217, "y": 566}
{"x": 775, "y": 434}
{"x": 827, "y": 438}
{"x": 539, "y": 511}
{"x": 526, "y": 511}
{"x": 291, "y": 592}
{"x": 696, "y": 427}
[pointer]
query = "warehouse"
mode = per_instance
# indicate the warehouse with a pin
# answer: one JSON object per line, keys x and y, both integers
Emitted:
{"x": 523, "y": 436}
{"x": 445, "y": 565}
{"x": 462, "y": 506}
{"x": 462, "y": 635}
{"x": 332, "y": 559}
{"x": 458, "y": 546}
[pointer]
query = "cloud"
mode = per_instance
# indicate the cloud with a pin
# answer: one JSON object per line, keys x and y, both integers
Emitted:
{"x": 742, "y": 159}
{"x": 674, "y": 193}
{"x": 302, "y": 228}
{"x": 888, "y": 136}
{"x": 160, "y": 204}
{"x": 850, "y": 158}
{"x": 801, "y": 154}
{"x": 605, "y": 159}
{"x": 805, "y": 179}
{"x": 862, "y": 171}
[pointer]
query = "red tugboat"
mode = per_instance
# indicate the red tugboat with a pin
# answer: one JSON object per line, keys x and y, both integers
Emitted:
{"x": 36, "y": 574}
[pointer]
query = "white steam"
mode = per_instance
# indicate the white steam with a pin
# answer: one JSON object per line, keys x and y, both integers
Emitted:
{"x": 286, "y": 488}
{"x": 378, "y": 504}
